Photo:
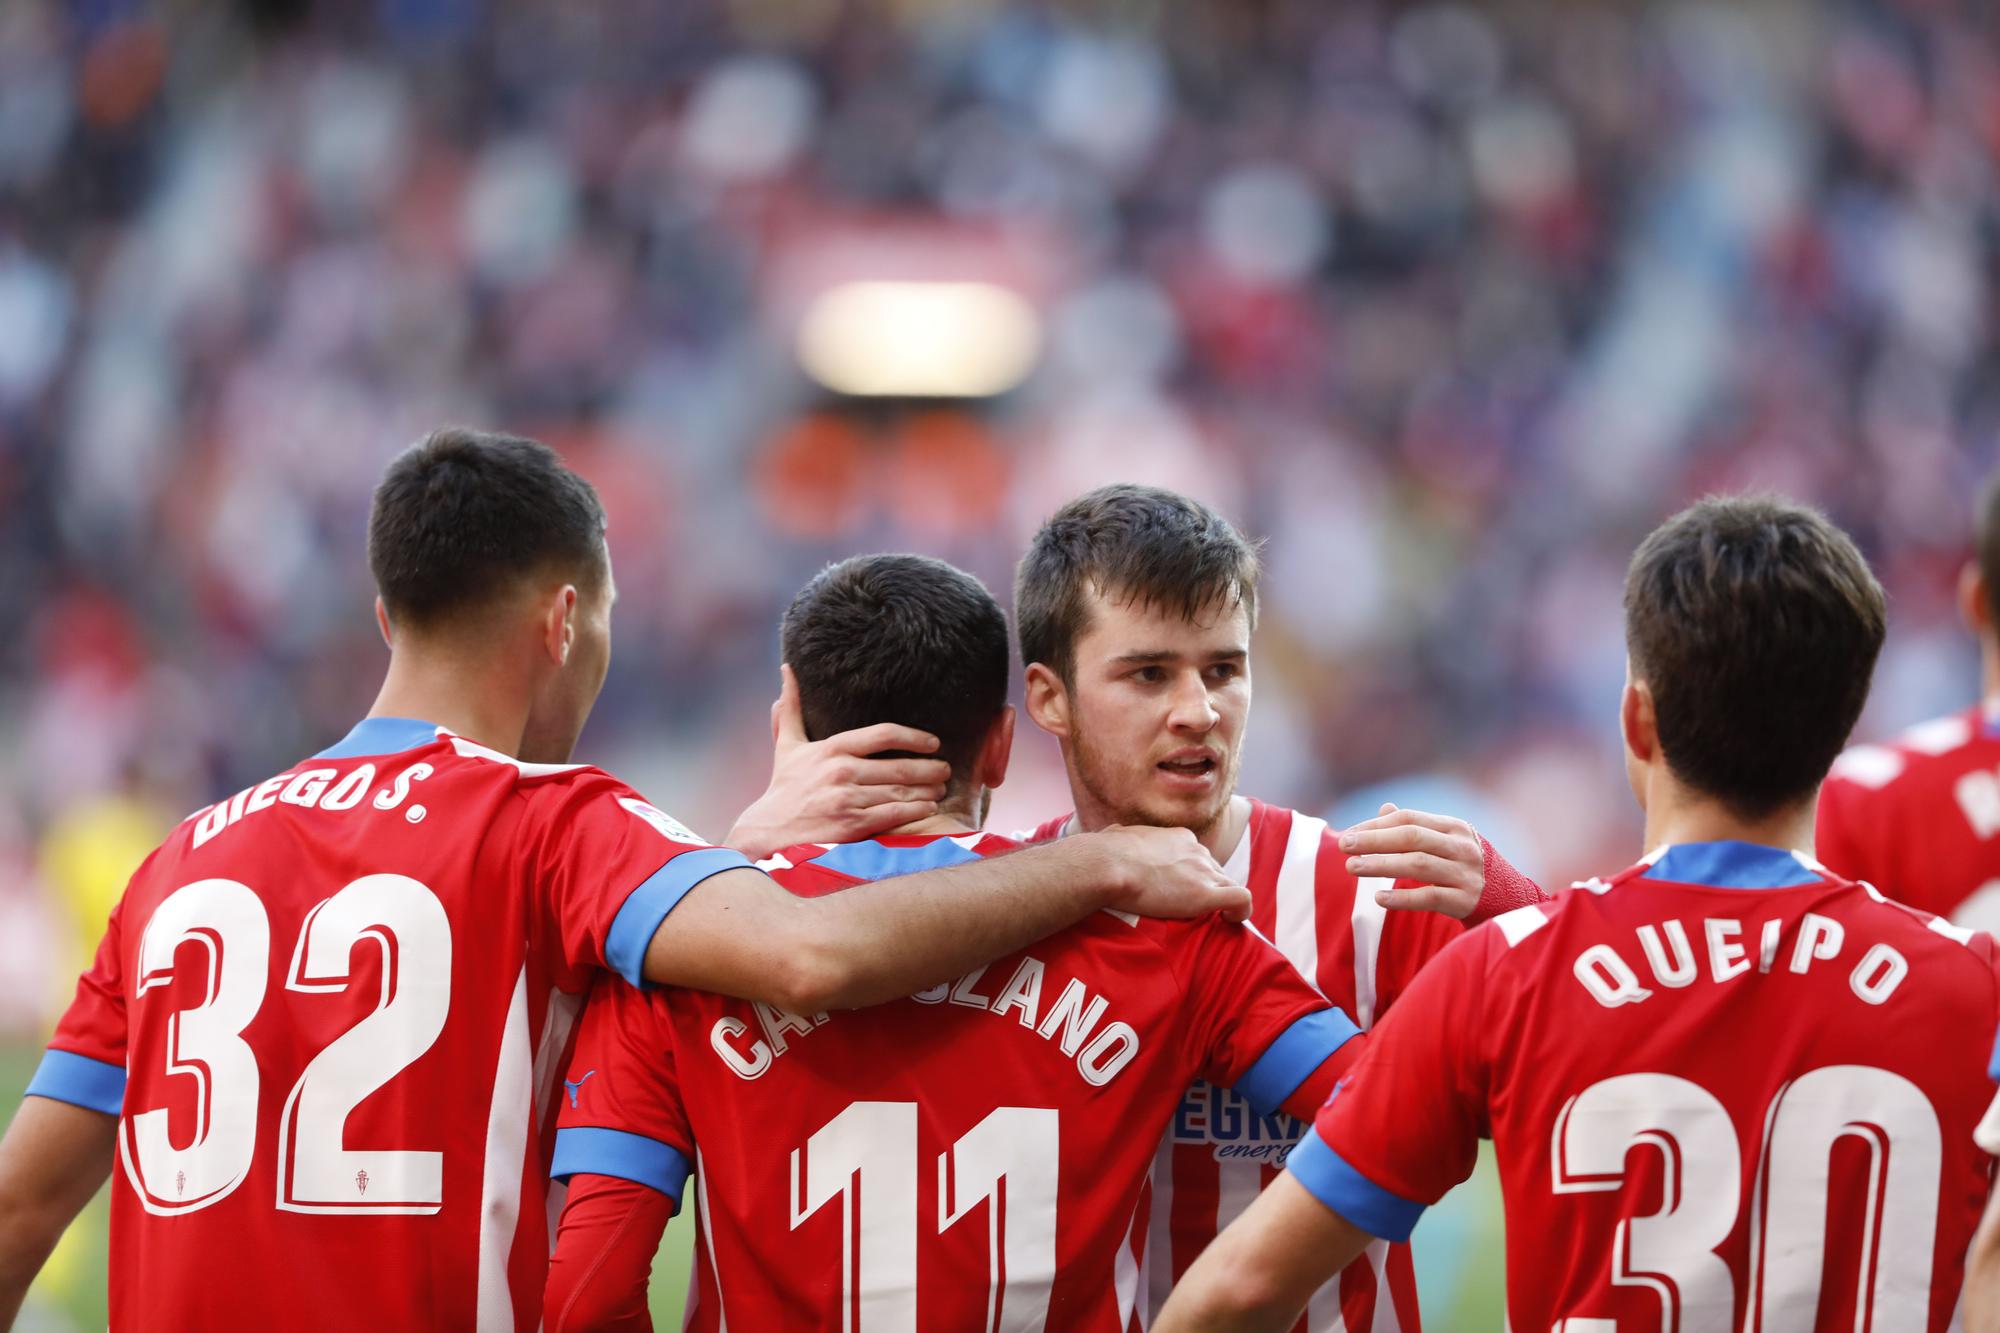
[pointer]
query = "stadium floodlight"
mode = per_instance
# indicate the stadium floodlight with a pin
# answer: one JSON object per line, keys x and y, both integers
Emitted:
{"x": 883, "y": 339}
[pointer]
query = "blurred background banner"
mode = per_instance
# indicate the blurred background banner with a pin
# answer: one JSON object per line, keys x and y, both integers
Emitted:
{"x": 1450, "y": 303}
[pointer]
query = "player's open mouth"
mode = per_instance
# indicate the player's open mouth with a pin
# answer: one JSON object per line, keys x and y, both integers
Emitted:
{"x": 1188, "y": 768}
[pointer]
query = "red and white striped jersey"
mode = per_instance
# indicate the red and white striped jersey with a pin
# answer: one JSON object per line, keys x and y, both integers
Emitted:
{"x": 1919, "y": 818}
{"x": 1217, "y": 1155}
{"x": 330, "y": 1014}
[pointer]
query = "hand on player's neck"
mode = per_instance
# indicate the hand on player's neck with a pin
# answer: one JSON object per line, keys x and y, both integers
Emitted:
{"x": 1676, "y": 814}
{"x": 1221, "y": 837}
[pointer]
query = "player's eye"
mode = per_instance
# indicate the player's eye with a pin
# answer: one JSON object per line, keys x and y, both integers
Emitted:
{"x": 1225, "y": 671}
{"x": 1150, "y": 675}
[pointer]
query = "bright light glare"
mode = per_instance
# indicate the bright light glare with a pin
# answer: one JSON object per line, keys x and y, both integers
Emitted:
{"x": 919, "y": 339}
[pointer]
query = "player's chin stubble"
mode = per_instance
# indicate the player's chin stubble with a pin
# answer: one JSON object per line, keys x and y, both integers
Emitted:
{"x": 1097, "y": 775}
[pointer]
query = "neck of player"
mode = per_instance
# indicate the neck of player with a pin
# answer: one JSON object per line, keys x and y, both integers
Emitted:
{"x": 957, "y": 813}
{"x": 1675, "y": 814}
{"x": 469, "y": 698}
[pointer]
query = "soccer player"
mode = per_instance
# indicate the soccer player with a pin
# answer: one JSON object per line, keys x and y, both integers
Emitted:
{"x": 1919, "y": 818}
{"x": 1726, "y": 1087}
{"x": 971, "y": 1156}
{"x": 324, "y": 1029}
{"x": 1134, "y": 608}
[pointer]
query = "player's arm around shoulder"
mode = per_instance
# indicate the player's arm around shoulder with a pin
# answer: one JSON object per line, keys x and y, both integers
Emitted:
{"x": 740, "y": 933}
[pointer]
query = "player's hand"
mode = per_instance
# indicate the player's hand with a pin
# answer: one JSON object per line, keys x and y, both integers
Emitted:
{"x": 831, "y": 790}
{"x": 1167, "y": 873}
{"x": 1440, "y": 853}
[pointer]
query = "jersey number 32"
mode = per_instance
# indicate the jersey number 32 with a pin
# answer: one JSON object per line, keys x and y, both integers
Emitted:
{"x": 316, "y": 1174}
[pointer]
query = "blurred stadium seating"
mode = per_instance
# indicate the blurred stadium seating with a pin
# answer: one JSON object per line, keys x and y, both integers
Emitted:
{"x": 1449, "y": 302}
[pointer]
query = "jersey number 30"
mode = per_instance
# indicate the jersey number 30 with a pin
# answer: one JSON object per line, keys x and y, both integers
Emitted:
{"x": 1673, "y": 1251}
{"x": 316, "y": 1173}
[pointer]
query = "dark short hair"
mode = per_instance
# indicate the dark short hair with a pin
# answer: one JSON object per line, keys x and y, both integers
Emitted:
{"x": 1755, "y": 623}
{"x": 1988, "y": 539}
{"x": 899, "y": 638}
{"x": 1141, "y": 543}
{"x": 463, "y": 514}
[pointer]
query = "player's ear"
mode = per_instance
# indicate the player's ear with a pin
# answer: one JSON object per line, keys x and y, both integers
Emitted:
{"x": 558, "y": 627}
{"x": 1973, "y": 604}
{"x": 1047, "y": 700}
{"x": 1638, "y": 722}
{"x": 382, "y": 622}
{"x": 996, "y": 750}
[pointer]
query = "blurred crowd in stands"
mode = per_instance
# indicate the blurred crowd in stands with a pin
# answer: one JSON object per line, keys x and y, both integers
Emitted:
{"x": 1448, "y": 302}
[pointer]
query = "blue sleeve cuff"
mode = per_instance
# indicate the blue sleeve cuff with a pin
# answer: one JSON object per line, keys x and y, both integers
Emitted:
{"x": 1993, "y": 1065}
{"x": 1328, "y": 1177}
{"x": 582, "y": 1150}
{"x": 647, "y": 906}
{"x": 79, "y": 1080}
{"x": 1299, "y": 1049}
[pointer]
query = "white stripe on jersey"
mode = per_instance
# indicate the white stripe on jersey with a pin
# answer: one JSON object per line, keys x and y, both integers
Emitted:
{"x": 1160, "y": 1227}
{"x": 1297, "y": 930}
{"x": 1520, "y": 923}
{"x": 1323, "y": 1314}
{"x": 714, "y": 1268}
{"x": 474, "y": 750}
{"x": 1125, "y": 1274}
{"x": 558, "y": 1021}
{"x": 506, "y": 1151}
{"x": 1368, "y": 916}
{"x": 1237, "y": 1186}
{"x": 1385, "y": 1304}
{"x": 1950, "y": 931}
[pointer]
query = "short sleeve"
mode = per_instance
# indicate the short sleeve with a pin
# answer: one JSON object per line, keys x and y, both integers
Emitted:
{"x": 85, "y": 1062}
{"x": 1264, "y": 1027}
{"x": 612, "y": 867}
{"x": 1404, "y": 1126}
{"x": 622, "y": 1113}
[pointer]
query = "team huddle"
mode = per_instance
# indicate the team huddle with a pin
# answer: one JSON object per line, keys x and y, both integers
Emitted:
{"x": 437, "y": 1029}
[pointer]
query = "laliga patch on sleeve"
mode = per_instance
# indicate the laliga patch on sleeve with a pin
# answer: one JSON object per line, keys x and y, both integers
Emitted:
{"x": 663, "y": 823}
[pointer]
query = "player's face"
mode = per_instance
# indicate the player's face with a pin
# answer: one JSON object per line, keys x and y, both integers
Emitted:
{"x": 1157, "y": 711}
{"x": 564, "y": 706}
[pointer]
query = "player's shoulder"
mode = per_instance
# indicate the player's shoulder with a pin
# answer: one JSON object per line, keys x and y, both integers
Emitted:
{"x": 1622, "y": 901}
{"x": 1046, "y": 831}
{"x": 1938, "y": 749}
{"x": 810, "y": 869}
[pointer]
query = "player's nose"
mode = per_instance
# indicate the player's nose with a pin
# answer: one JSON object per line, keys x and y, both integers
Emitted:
{"x": 1193, "y": 709}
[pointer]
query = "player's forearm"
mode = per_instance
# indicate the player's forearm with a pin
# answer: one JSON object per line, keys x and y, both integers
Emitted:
{"x": 1216, "y": 1295}
{"x": 1982, "y": 1274}
{"x": 602, "y": 1262}
{"x": 53, "y": 1158}
{"x": 898, "y": 936}
{"x": 1265, "y": 1266}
